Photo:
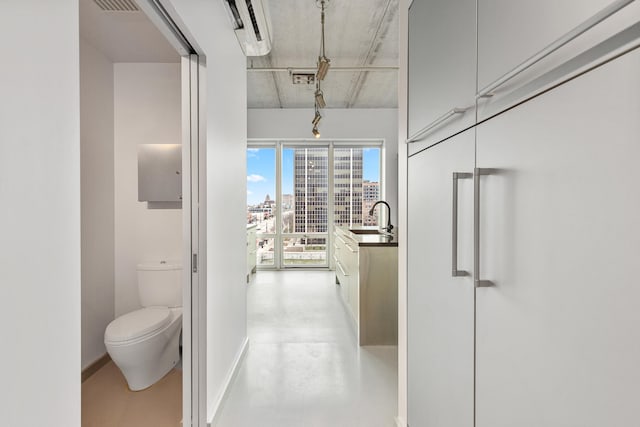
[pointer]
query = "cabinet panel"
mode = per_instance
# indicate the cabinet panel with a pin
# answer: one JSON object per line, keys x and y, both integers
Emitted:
{"x": 510, "y": 32}
{"x": 442, "y": 66}
{"x": 558, "y": 342}
{"x": 440, "y": 307}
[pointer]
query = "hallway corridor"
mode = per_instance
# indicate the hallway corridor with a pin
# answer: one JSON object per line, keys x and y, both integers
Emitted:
{"x": 303, "y": 366}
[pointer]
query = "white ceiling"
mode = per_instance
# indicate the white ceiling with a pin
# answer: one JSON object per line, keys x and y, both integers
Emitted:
{"x": 124, "y": 36}
{"x": 357, "y": 33}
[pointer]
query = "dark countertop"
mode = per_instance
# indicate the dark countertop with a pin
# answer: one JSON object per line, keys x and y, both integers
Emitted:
{"x": 384, "y": 239}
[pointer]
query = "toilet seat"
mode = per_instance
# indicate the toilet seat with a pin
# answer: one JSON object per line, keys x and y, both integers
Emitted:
{"x": 137, "y": 324}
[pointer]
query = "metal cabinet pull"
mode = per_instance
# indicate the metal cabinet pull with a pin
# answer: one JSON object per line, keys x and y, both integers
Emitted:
{"x": 454, "y": 225}
{"x": 437, "y": 122}
{"x": 344, "y": 273}
{"x": 346, "y": 244}
{"x": 477, "y": 173}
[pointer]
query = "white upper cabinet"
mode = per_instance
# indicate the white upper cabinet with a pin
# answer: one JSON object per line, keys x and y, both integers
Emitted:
{"x": 511, "y": 31}
{"x": 442, "y": 69}
{"x": 526, "y": 47}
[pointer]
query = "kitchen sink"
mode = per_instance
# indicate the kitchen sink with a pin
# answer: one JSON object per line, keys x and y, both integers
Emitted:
{"x": 365, "y": 231}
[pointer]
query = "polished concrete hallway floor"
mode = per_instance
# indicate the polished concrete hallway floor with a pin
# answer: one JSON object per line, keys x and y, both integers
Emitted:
{"x": 303, "y": 366}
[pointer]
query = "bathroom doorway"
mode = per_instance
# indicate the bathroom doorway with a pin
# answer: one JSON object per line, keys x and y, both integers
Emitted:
{"x": 140, "y": 86}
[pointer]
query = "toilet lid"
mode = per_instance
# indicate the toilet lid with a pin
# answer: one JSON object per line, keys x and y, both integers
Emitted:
{"x": 137, "y": 324}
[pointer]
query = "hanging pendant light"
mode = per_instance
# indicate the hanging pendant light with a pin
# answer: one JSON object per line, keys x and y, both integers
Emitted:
{"x": 323, "y": 62}
{"x": 323, "y": 68}
{"x": 320, "y": 98}
{"x": 316, "y": 119}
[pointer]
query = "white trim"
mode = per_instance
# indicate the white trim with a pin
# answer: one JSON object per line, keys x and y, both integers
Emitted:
{"x": 400, "y": 422}
{"x": 231, "y": 375}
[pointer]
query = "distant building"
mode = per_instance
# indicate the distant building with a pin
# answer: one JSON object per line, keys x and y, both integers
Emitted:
{"x": 370, "y": 194}
{"x": 347, "y": 183}
{"x": 311, "y": 188}
{"x": 287, "y": 201}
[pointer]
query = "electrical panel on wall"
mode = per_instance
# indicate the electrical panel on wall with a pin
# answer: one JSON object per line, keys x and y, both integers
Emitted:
{"x": 160, "y": 175}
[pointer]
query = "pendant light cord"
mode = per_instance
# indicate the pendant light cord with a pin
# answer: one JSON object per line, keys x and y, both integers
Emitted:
{"x": 322, "y": 27}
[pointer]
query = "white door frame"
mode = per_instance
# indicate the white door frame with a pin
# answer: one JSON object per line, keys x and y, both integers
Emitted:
{"x": 194, "y": 342}
{"x": 194, "y": 325}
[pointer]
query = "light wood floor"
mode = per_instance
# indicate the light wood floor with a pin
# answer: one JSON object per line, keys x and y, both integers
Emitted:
{"x": 107, "y": 402}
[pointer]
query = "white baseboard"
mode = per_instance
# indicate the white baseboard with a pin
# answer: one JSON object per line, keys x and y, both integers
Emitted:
{"x": 214, "y": 409}
{"x": 400, "y": 422}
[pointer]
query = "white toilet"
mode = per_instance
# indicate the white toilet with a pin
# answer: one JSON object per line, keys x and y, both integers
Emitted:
{"x": 144, "y": 344}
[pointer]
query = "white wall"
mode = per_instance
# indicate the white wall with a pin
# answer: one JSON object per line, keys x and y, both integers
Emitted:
{"x": 40, "y": 214}
{"x": 226, "y": 104}
{"x": 96, "y": 149}
{"x": 336, "y": 123}
{"x": 147, "y": 107}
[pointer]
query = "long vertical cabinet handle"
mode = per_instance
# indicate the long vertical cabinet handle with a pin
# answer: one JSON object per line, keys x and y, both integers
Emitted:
{"x": 454, "y": 225}
{"x": 477, "y": 173}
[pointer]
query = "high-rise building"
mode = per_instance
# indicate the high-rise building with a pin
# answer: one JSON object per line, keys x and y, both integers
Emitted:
{"x": 347, "y": 183}
{"x": 311, "y": 184}
{"x": 370, "y": 194}
{"x": 311, "y": 188}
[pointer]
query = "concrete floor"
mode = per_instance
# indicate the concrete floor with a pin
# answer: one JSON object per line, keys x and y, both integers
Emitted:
{"x": 303, "y": 366}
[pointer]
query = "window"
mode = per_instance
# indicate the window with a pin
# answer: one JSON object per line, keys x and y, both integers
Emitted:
{"x": 296, "y": 192}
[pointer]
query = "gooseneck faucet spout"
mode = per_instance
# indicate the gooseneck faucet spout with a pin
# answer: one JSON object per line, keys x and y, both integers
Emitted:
{"x": 389, "y": 227}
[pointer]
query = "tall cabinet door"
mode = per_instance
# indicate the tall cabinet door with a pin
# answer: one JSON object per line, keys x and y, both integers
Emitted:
{"x": 558, "y": 336}
{"x": 440, "y": 306}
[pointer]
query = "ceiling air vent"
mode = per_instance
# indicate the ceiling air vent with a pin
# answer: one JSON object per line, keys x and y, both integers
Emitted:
{"x": 117, "y": 5}
{"x": 303, "y": 78}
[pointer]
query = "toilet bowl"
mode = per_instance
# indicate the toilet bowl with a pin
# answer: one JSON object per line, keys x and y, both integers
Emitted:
{"x": 145, "y": 343}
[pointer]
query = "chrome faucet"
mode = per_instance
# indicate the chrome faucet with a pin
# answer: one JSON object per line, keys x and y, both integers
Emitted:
{"x": 389, "y": 227}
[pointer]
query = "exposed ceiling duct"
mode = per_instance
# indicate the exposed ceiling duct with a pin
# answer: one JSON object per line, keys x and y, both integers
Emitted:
{"x": 252, "y": 25}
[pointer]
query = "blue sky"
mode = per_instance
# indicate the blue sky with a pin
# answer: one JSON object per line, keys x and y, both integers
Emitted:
{"x": 261, "y": 165}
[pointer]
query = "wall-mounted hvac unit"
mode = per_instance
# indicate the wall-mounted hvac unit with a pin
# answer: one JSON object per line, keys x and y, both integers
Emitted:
{"x": 252, "y": 25}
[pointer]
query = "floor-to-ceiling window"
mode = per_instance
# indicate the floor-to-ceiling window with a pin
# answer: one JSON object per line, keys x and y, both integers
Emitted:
{"x": 297, "y": 191}
{"x": 261, "y": 201}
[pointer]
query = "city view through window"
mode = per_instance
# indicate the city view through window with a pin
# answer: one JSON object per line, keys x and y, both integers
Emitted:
{"x": 299, "y": 237}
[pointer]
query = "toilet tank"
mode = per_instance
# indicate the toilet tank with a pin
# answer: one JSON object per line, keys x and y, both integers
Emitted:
{"x": 160, "y": 284}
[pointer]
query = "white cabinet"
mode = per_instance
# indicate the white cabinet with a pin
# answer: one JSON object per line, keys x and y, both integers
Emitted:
{"x": 526, "y": 48}
{"x": 442, "y": 68}
{"x": 440, "y": 305}
{"x": 347, "y": 271}
{"x": 251, "y": 250}
{"x": 512, "y": 31}
{"x": 558, "y": 342}
{"x": 368, "y": 277}
{"x": 549, "y": 221}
